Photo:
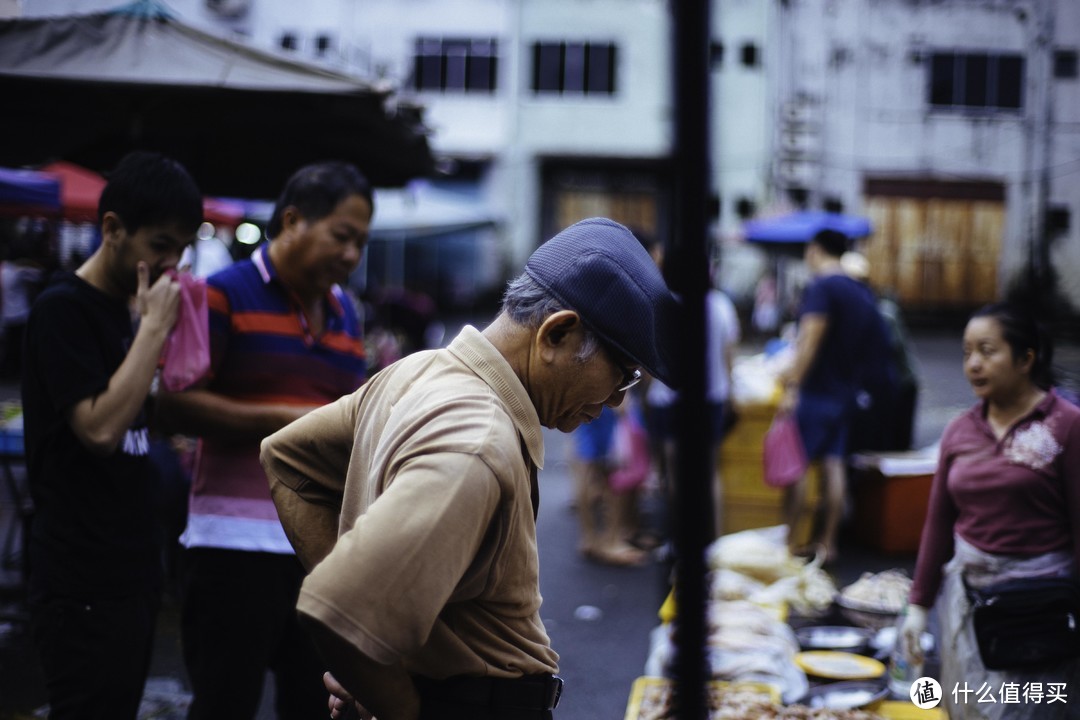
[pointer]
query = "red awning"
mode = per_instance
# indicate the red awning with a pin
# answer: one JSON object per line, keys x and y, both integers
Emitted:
{"x": 220, "y": 211}
{"x": 80, "y": 190}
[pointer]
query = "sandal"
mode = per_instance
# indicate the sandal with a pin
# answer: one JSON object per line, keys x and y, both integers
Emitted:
{"x": 619, "y": 556}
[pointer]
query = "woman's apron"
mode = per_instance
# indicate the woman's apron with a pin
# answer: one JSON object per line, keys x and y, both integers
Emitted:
{"x": 1023, "y": 694}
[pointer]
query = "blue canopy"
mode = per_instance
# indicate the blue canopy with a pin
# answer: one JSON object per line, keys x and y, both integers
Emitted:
{"x": 802, "y": 226}
{"x": 29, "y": 191}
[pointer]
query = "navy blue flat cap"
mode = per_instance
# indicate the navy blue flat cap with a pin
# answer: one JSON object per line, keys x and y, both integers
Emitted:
{"x": 599, "y": 269}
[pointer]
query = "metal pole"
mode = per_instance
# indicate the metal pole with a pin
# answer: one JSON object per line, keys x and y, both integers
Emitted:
{"x": 687, "y": 268}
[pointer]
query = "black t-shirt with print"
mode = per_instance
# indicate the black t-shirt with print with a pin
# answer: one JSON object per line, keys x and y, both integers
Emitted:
{"x": 94, "y": 532}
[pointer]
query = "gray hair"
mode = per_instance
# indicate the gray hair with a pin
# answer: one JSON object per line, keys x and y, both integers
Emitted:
{"x": 527, "y": 303}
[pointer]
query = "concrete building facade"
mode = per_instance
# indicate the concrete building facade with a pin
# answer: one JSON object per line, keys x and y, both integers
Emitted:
{"x": 953, "y": 124}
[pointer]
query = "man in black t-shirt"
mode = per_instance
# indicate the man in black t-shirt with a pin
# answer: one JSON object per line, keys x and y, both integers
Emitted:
{"x": 95, "y": 572}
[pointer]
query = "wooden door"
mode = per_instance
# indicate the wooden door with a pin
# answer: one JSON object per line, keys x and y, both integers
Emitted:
{"x": 936, "y": 251}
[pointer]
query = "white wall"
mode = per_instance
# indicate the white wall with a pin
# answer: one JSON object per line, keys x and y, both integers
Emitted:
{"x": 743, "y": 106}
{"x": 851, "y": 60}
{"x": 1064, "y": 163}
{"x": 858, "y": 58}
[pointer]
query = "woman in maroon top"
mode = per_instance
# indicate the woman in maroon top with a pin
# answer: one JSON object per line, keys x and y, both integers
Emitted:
{"x": 1005, "y": 504}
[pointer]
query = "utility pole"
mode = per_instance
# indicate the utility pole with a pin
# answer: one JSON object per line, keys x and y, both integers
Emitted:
{"x": 687, "y": 267}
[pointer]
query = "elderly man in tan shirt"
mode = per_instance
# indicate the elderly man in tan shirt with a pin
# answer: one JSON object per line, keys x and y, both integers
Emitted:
{"x": 413, "y": 500}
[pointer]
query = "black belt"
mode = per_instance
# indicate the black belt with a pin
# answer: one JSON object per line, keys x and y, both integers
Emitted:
{"x": 532, "y": 692}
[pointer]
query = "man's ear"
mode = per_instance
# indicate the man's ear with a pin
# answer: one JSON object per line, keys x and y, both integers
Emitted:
{"x": 552, "y": 334}
{"x": 112, "y": 229}
{"x": 291, "y": 219}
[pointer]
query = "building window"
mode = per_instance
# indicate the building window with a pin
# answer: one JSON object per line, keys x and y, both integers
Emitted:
{"x": 716, "y": 54}
{"x": 458, "y": 65}
{"x": 750, "y": 55}
{"x": 976, "y": 81}
{"x": 574, "y": 67}
{"x": 323, "y": 44}
{"x": 1057, "y": 220}
{"x": 745, "y": 208}
{"x": 1065, "y": 64}
{"x": 289, "y": 41}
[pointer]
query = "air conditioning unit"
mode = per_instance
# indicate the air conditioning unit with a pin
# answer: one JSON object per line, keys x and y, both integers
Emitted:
{"x": 229, "y": 8}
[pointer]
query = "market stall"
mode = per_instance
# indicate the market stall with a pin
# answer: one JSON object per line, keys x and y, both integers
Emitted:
{"x": 783, "y": 639}
{"x": 785, "y": 642}
{"x": 240, "y": 119}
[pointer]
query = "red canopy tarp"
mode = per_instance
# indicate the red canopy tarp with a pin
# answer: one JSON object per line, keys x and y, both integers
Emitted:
{"x": 220, "y": 211}
{"x": 80, "y": 191}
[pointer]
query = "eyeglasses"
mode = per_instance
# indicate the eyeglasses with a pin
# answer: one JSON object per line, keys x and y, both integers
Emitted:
{"x": 630, "y": 379}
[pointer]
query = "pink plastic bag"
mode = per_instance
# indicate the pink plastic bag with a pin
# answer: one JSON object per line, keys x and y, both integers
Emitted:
{"x": 186, "y": 355}
{"x": 631, "y": 455}
{"x": 783, "y": 456}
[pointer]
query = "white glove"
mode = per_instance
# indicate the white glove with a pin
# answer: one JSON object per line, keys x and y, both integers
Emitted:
{"x": 910, "y": 635}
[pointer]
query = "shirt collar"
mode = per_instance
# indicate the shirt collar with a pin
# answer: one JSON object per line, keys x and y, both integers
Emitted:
{"x": 268, "y": 273}
{"x": 473, "y": 349}
{"x": 1041, "y": 410}
{"x": 261, "y": 258}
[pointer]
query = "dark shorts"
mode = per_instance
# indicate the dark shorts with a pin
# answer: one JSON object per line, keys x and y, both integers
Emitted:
{"x": 592, "y": 440}
{"x": 824, "y": 425}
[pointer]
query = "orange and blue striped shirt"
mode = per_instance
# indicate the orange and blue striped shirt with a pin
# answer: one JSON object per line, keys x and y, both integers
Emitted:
{"x": 262, "y": 351}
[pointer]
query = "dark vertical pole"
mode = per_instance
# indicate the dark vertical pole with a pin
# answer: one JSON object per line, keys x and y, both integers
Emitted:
{"x": 687, "y": 266}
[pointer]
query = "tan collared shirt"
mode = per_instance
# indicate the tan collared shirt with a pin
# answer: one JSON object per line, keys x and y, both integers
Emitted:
{"x": 435, "y": 563}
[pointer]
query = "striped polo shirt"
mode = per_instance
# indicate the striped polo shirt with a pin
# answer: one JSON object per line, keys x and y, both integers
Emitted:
{"x": 263, "y": 352}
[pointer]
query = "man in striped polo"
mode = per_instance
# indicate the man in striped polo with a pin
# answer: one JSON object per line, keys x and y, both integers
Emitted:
{"x": 285, "y": 339}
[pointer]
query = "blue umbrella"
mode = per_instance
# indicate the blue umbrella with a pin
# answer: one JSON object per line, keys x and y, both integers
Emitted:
{"x": 802, "y": 226}
{"x": 27, "y": 190}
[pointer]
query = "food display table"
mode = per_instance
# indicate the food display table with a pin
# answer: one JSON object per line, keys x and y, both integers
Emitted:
{"x": 784, "y": 642}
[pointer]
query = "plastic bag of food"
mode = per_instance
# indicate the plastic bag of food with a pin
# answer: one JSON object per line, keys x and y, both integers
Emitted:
{"x": 761, "y": 553}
